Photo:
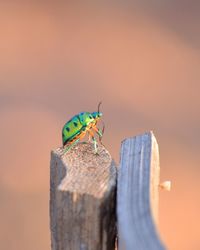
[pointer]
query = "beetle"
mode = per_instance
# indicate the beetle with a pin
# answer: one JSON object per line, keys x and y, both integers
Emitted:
{"x": 78, "y": 126}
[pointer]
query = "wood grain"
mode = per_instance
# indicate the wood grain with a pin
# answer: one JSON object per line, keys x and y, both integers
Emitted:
{"x": 82, "y": 199}
{"x": 137, "y": 197}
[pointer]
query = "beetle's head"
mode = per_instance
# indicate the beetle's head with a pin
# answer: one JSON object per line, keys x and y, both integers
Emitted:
{"x": 96, "y": 115}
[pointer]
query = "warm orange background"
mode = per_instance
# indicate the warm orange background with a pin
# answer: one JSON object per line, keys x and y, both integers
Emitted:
{"x": 141, "y": 60}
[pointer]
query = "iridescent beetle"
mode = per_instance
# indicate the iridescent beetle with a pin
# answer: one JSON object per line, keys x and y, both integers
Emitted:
{"x": 76, "y": 128}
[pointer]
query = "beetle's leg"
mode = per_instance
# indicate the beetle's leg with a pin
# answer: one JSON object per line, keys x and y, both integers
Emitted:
{"x": 95, "y": 144}
{"x": 88, "y": 130}
{"x": 71, "y": 145}
{"x": 75, "y": 141}
{"x": 94, "y": 141}
{"x": 89, "y": 137}
{"x": 99, "y": 132}
{"x": 82, "y": 135}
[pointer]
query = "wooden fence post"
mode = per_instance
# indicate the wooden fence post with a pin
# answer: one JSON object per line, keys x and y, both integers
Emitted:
{"x": 137, "y": 194}
{"x": 82, "y": 199}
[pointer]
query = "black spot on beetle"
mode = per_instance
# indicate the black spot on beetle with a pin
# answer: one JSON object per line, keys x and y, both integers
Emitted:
{"x": 75, "y": 124}
{"x": 68, "y": 129}
{"x": 90, "y": 116}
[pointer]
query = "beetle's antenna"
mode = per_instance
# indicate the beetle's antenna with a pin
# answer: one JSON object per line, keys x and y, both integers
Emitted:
{"x": 100, "y": 138}
{"x": 103, "y": 128}
{"x": 99, "y": 106}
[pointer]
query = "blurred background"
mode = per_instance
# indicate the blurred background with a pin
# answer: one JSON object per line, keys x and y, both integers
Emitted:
{"x": 140, "y": 58}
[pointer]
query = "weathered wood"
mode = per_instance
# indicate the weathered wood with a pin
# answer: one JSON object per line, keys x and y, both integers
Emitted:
{"x": 82, "y": 199}
{"x": 137, "y": 194}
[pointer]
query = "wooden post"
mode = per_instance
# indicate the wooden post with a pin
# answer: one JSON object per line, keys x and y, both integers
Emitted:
{"x": 82, "y": 199}
{"x": 137, "y": 194}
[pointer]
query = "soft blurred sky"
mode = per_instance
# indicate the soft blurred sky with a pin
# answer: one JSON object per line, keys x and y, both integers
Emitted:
{"x": 140, "y": 58}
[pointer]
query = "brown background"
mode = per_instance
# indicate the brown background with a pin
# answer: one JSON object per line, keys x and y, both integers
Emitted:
{"x": 142, "y": 60}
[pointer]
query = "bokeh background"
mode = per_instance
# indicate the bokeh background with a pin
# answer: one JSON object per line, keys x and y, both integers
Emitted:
{"x": 57, "y": 58}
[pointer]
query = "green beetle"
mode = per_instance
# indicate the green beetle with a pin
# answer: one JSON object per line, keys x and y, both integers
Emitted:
{"x": 78, "y": 126}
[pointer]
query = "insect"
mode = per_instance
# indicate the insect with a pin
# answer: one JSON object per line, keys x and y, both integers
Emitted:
{"x": 78, "y": 126}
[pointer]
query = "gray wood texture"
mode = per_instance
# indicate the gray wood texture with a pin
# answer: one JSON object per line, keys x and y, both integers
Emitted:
{"x": 137, "y": 194}
{"x": 82, "y": 199}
